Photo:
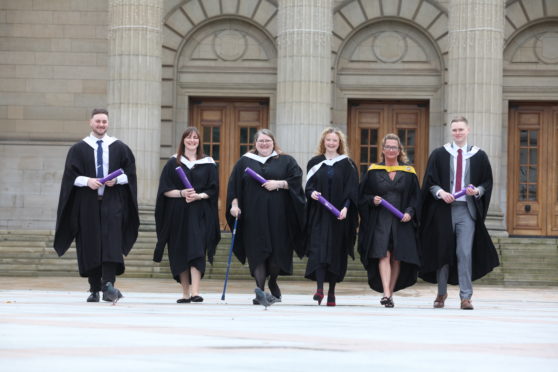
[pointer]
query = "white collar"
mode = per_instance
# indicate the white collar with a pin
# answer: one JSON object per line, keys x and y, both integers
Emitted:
{"x": 452, "y": 149}
{"x": 91, "y": 140}
{"x": 329, "y": 162}
{"x": 190, "y": 164}
{"x": 261, "y": 159}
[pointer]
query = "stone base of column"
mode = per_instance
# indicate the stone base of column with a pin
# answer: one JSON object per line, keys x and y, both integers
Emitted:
{"x": 495, "y": 224}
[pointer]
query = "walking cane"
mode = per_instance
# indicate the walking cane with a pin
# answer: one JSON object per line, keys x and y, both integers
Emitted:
{"x": 230, "y": 258}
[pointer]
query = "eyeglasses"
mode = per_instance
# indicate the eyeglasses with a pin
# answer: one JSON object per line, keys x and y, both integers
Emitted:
{"x": 264, "y": 141}
{"x": 391, "y": 148}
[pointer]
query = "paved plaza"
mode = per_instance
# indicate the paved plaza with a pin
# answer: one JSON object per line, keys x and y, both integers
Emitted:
{"x": 46, "y": 325}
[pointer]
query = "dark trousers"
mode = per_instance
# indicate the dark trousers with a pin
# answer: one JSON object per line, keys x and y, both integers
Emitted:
{"x": 101, "y": 276}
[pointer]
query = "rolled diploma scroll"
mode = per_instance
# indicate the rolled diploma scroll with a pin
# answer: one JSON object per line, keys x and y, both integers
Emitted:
{"x": 255, "y": 176}
{"x": 329, "y": 206}
{"x": 183, "y": 178}
{"x": 112, "y": 175}
{"x": 387, "y": 205}
{"x": 459, "y": 194}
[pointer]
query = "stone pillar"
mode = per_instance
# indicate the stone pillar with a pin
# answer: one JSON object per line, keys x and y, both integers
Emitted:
{"x": 303, "y": 75}
{"x": 475, "y": 72}
{"x": 134, "y": 97}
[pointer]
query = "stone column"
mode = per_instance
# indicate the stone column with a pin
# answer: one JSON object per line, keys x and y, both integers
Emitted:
{"x": 303, "y": 75}
{"x": 134, "y": 98}
{"x": 475, "y": 72}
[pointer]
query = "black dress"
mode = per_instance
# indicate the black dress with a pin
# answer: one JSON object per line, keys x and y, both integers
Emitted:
{"x": 191, "y": 230}
{"x": 329, "y": 240}
{"x": 271, "y": 222}
{"x": 381, "y": 231}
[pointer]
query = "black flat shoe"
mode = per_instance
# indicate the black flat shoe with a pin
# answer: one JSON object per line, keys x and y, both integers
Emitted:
{"x": 196, "y": 299}
{"x": 111, "y": 294}
{"x": 183, "y": 301}
{"x": 93, "y": 297}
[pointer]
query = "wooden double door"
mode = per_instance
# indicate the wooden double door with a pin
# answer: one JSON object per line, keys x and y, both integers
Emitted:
{"x": 533, "y": 169}
{"x": 370, "y": 121}
{"x": 227, "y": 128}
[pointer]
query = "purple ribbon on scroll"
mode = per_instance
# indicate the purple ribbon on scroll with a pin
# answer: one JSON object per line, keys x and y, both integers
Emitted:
{"x": 112, "y": 175}
{"x": 183, "y": 178}
{"x": 255, "y": 175}
{"x": 329, "y": 206}
{"x": 463, "y": 191}
{"x": 387, "y": 205}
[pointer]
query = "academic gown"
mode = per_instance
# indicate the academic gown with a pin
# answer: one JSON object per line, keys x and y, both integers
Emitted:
{"x": 438, "y": 241}
{"x": 191, "y": 230}
{"x": 104, "y": 231}
{"x": 379, "y": 227}
{"x": 329, "y": 240}
{"x": 271, "y": 223}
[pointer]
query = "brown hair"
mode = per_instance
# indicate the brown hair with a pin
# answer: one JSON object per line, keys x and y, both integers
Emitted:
{"x": 99, "y": 111}
{"x": 343, "y": 148}
{"x": 182, "y": 148}
{"x": 402, "y": 157}
{"x": 459, "y": 119}
{"x": 269, "y": 133}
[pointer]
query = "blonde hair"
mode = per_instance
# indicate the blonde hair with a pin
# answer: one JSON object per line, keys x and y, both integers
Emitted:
{"x": 402, "y": 157}
{"x": 343, "y": 147}
{"x": 269, "y": 133}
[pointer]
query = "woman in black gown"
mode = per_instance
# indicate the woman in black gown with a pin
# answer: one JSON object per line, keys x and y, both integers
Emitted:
{"x": 388, "y": 246}
{"x": 333, "y": 175}
{"x": 271, "y": 215}
{"x": 186, "y": 218}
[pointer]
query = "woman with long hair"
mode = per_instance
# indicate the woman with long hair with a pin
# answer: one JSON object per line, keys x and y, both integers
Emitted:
{"x": 330, "y": 239}
{"x": 388, "y": 245}
{"x": 186, "y": 218}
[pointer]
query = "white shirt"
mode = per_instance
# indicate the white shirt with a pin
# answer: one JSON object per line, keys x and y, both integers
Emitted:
{"x": 91, "y": 140}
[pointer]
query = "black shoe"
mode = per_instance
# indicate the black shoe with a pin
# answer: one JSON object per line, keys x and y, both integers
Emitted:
{"x": 196, "y": 299}
{"x": 183, "y": 301}
{"x": 261, "y": 298}
{"x": 93, "y": 297}
{"x": 274, "y": 289}
{"x": 389, "y": 302}
{"x": 111, "y": 294}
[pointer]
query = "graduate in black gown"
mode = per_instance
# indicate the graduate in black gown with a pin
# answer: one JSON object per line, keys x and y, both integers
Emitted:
{"x": 330, "y": 240}
{"x": 186, "y": 218}
{"x": 456, "y": 245}
{"x": 388, "y": 246}
{"x": 271, "y": 216}
{"x": 102, "y": 218}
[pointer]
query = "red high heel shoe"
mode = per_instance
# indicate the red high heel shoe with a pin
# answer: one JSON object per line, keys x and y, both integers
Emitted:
{"x": 319, "y": 296}
{"x": 330, "y": 300}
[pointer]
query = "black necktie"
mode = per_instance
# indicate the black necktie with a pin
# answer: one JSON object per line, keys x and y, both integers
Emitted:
{"x": 100, "y": 159}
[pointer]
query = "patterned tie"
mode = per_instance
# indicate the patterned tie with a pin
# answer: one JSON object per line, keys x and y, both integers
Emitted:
{"x": 100, "y": 159}
{"x": 459, "y": 172}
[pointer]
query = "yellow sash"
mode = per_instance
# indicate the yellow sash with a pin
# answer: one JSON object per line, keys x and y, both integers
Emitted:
{"x": 393, "y": 168}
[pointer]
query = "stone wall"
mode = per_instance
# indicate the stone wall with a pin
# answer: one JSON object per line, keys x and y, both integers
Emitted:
{"x": 53, "y": 71}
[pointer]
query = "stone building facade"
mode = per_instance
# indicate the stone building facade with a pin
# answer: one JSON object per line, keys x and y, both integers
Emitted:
{"x": 295, "y": 66}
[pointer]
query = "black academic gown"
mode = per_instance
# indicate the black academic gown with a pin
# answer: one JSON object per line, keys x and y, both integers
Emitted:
{"x": 191, "y": 230}
{"x": 380, "y": 230}
{"x": 104, "y": 231}
{"x": 437, "y": 236}
{"x": 271, "y": 222}
{"x": 329, "y": 240}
